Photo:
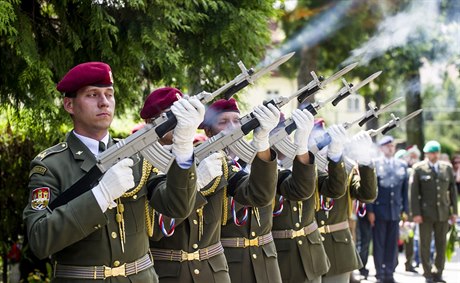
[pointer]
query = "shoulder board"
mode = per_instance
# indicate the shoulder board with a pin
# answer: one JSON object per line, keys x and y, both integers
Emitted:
{"x": 445, "y": 163}
{"x": 418, "y": 164}
{"x": 52, "y": 150}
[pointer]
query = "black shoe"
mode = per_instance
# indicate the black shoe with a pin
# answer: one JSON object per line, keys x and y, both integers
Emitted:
{"x": 364, "y": 272}
{"x": 438, "y": 279}
{"x": 411, "y": 269}
{"x": 429, "y": 280}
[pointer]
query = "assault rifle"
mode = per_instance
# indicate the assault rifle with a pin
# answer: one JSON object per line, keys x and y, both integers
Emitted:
{"x": 145, "y": 140}
{"x": 234, "y": 139}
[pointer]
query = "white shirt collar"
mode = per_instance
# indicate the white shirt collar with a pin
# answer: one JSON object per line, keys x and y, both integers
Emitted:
{"x": 92, "y": 144}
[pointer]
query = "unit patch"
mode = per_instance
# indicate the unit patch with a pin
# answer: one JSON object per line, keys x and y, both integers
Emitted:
{"x": 40, "y": 198}
{"x": 38, "y": 170}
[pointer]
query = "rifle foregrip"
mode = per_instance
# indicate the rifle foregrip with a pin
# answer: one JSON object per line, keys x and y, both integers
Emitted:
{"x": 166, "y": 126}
{"x": 249, "y": 126}
{"x": 301, "y": 97}
{"x": 290, "y": 128}
{"x": 340, "y": 98}
{"x": 365, "y": 120}
{"x": 311, "y": 109}
{"x": 234, "y": 89}
{"x": 387, "y": 129}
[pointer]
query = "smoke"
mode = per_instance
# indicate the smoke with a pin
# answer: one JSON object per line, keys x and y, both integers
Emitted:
{"x": 319, "y": 28}
{"x": 419, "y": 23}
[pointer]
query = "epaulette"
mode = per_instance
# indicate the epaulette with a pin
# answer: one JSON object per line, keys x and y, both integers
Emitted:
{"x": 448, "y": 164}
{"x": 52, "y": 150}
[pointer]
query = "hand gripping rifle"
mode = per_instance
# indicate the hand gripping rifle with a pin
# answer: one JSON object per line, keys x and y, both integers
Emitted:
{"x": 234, "y": 139}
{"x": 285, "y": 146}
{"x": 321, "y": 161}
{"x": 145, "y": 140}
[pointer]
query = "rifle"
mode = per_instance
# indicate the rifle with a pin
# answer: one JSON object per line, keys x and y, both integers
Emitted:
{"x": 234, "y": 139}
{"x": 145, "y": 140}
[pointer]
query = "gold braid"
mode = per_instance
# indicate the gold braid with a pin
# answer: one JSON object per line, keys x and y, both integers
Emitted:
{"x": 349, "y": 181}
{"x": 317, "y": 204}
{"x": 149, "y": 218}
{"x": 225, "y": 199}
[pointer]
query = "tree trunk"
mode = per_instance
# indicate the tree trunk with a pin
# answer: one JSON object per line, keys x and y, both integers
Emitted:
{"x": 414, "y": 127}
{"x": 307, "y": 64}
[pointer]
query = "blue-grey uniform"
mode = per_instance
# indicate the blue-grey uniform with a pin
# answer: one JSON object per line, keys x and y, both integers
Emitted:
{"x": 392, "y": 200}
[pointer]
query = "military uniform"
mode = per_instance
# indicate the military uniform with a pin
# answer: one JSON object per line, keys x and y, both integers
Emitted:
{"x": 246, "y": 238}
{"x": 391, "y": 201}
{"x": 84, "y": 242}
{"x": 200, "y": 232}
{"x": 338, "y": 241}
{"x": 301, "y": 254}
{"x": 434, "y": 197}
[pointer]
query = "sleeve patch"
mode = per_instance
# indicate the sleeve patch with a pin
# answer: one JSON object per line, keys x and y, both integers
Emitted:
{"x": 38, "y": 169}
{"x": 40, "y": 198}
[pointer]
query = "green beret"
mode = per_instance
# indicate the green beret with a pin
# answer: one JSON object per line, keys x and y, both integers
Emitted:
{"x": 432, "y": 146}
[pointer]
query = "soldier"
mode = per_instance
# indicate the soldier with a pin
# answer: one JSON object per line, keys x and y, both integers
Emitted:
{"x": 102, "y": 233}
{"x": 190, "y": 250}
{"x": 245, "y": 235}
{"x": 301, "y": 254}
{"x": 333, "y": 216}
{"x": 433, "y": 202}
{"x": 385, "y": 213}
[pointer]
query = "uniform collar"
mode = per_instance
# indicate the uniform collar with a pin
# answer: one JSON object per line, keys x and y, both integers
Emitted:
{"x": 92, "y": 144}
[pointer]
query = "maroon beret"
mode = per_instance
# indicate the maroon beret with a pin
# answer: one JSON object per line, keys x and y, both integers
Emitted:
{"x": 158, "y": 101}
{"x": 220, "y": 106}
{"x": 85, "y": 74}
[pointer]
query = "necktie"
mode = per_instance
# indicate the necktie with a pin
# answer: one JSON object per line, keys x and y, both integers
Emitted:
{"x": 101, "y": 146}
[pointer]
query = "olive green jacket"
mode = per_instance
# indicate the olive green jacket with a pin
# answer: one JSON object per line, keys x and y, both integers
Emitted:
{"x": 303, "y": 258}
{"x": 251, "y": 189}
{"x": 253, "y": 264}
{"x": 78, "y": 233}
{"x": 339, "y": 245}
{"x": 433, "y": 195}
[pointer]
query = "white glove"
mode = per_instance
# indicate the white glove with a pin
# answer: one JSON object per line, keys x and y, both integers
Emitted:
{"x": 361, "y": 146}
{"x": 304, "y": 122}
{"x": 208, "y": 169}
{"x": 115, "y": 182}
{"x": 338, "y": 138}
{"x": 268, "y": 117}
{"x": 189, "y": 114}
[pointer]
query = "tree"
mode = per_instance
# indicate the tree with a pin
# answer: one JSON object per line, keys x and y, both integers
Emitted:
{"x": 192, "y": 45}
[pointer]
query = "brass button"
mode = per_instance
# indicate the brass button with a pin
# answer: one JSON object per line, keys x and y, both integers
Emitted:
{"x": 253, "y": 234}
{"x": 254, "y": 256}
{"x": 322, "y": 238}
{"x": 195, "y": 246}
{"x": 294, "y": 208}
{"x": 297, "y": 225}
{"x": 196, "y": 271}
{"x": 195, "y": 221}
{"x": 135, "y": 197}
{"x": 300, "y": 242}
{"x": 116, "y": 263}
{"x": 438, "y": 203}
{"x": 197, "y": 211}
{"x": 346, "y": 239}
{"x": 322, "y": 222}
{"x": 114, "y": 235}
{"x": 98, "y": 226}
{"x": 192, "y": 176}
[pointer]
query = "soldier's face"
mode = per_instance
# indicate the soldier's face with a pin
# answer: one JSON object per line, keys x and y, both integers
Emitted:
{"x": 388, "y": 149}
{"x": 225, "y": 121}
{"x": 433, "y": 157}
{"x": 92, "y": 110}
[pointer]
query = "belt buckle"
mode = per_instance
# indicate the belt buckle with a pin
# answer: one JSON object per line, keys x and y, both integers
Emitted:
{"x": 251, "y": 242}
{"x": 115, "y": 271}
{"x": 298, "y": 233}
{"x": 185, "y": 256}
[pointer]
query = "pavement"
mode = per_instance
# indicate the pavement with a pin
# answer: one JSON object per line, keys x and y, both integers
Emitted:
{"x": 451, "y": 272}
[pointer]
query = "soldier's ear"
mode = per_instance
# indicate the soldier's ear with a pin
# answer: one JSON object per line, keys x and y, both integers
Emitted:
{"x": 68, "y": 104}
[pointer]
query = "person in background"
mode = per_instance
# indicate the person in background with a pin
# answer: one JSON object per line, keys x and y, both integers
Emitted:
{"x": 390, "y": 206}
{"x": 456, "y": 166}
{"x": 102, "y": 233}
{"x": 433, "y": 204}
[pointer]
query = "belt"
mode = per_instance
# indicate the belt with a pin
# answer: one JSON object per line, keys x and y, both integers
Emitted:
{"x": 244, "y": 243}
{"x": 291, "y": 234}
{"x": 102, "y": 272}
{"x": 180, "y": 255}
{"x": 334, "y": 227}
